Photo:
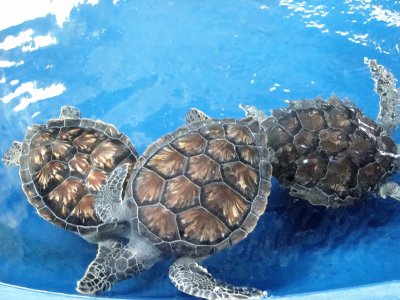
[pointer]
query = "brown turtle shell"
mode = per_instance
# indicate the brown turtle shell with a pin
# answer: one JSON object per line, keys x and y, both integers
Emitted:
{"x": 201, "y": 188}
{"x": 63, "y": 165}
{"x": 328, "y": 152}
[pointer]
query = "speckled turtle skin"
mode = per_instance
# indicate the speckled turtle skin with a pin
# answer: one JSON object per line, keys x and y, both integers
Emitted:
{"x": 328, "y": 152}
{"x": 64, "y": 163}
{"x": 201, "y": 188}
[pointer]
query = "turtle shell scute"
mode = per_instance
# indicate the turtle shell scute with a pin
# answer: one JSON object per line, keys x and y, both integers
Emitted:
{"x": 167, "y": 162}
{"x": 366, "y": 177}
{"x": 201, "y": 227}
{"x": 288, "y": 121}
{"x": 148, "y": 187}
{"x": 180, "y": 194}
{"x": 239, "y": 134}
{"x": 191, "y": 144}
{"x": 221, "y": 150}
{"x": 277, "y": 136}
{"x": 160, "y": 221}
{"x": 311, "y": 168}
{"x": 39, "y": 157}
{"x": 56, "y": 123}
{"x": 311, "y": 119}
{"x": 69, "y": 133}
{"x": 43, "y": 138}
{"x": 203, "y": 169}
{"x": 248, "y": 154}
{"x": 228, "y": 205}
{"x": 73, "y": 122}
{"x": 332, "y": 141}
{"x": 305, "y": 140}
{"x": 361, "y": 149}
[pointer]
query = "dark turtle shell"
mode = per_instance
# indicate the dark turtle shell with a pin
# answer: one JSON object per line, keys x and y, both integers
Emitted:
{"x": 63, "y": 165}
{"x": 201, "y": 188}
{"x": 327, "y": 152}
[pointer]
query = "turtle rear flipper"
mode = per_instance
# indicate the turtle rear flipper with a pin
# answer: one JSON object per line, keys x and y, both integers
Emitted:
{"x": 12, "y": 155}
{"x": 116, "y": 261}
{"x": 253, "y": 112}
{"x": 193, "y": 279}
{"x": 69, "y": 112}
{"x": 390, "y": 189}
{"x": 195, "y": 115}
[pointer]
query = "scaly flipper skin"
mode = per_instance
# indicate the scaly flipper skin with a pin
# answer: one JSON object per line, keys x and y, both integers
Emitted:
{"x": 193, "y": 279}
{"x": 390, "y": 189}
{"x": 69, "y": 112}
{"x": 253, "y": 112}
{"x": 13, "y": 154}
{"x": 116, "y": 261}
{"x": 109, "y": 199}
{"x": 113, "y": 261}
{"x": 195, "y": 115}
{"x": 389, "y": 95}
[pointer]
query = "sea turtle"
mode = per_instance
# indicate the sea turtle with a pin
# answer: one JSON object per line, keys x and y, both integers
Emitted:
{"x": 329, "y": 152}
{"x": 192, "y": 193}
{"x": 63, "y": 165}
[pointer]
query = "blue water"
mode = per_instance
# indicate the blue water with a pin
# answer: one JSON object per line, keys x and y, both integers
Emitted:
{"x": 142, "y": 64}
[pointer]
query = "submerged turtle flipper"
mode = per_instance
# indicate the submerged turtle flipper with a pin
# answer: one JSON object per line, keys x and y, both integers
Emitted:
{"x": 108, "y": 206}
{"x": 252, "y": 111}
{"x": 390, "y": 189}
{"x": 116, "y": 261}
{"x": 195, "y": 115}
{"x": 389, "y": 95}
{"x": 193, "y": 279}
{"x": 69, "y": 112}
{"x": 113, "y": 260}
{"x": 12, "y": 155}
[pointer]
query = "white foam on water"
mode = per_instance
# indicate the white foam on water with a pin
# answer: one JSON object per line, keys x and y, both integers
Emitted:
{"x": 34, "y": 94}
{"x": 16, "y": 12}
{"x": 27, "y": 41}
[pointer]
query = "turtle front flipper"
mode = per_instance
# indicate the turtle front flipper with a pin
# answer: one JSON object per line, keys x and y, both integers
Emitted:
{"x": 389, "y": 95}
{"x": 116, "y": 261}
{"x": 69, "y": 112}
{"x": 191, "y": 278}
{"x": 12, "y": 155}
{"x": 108, "y": 206}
